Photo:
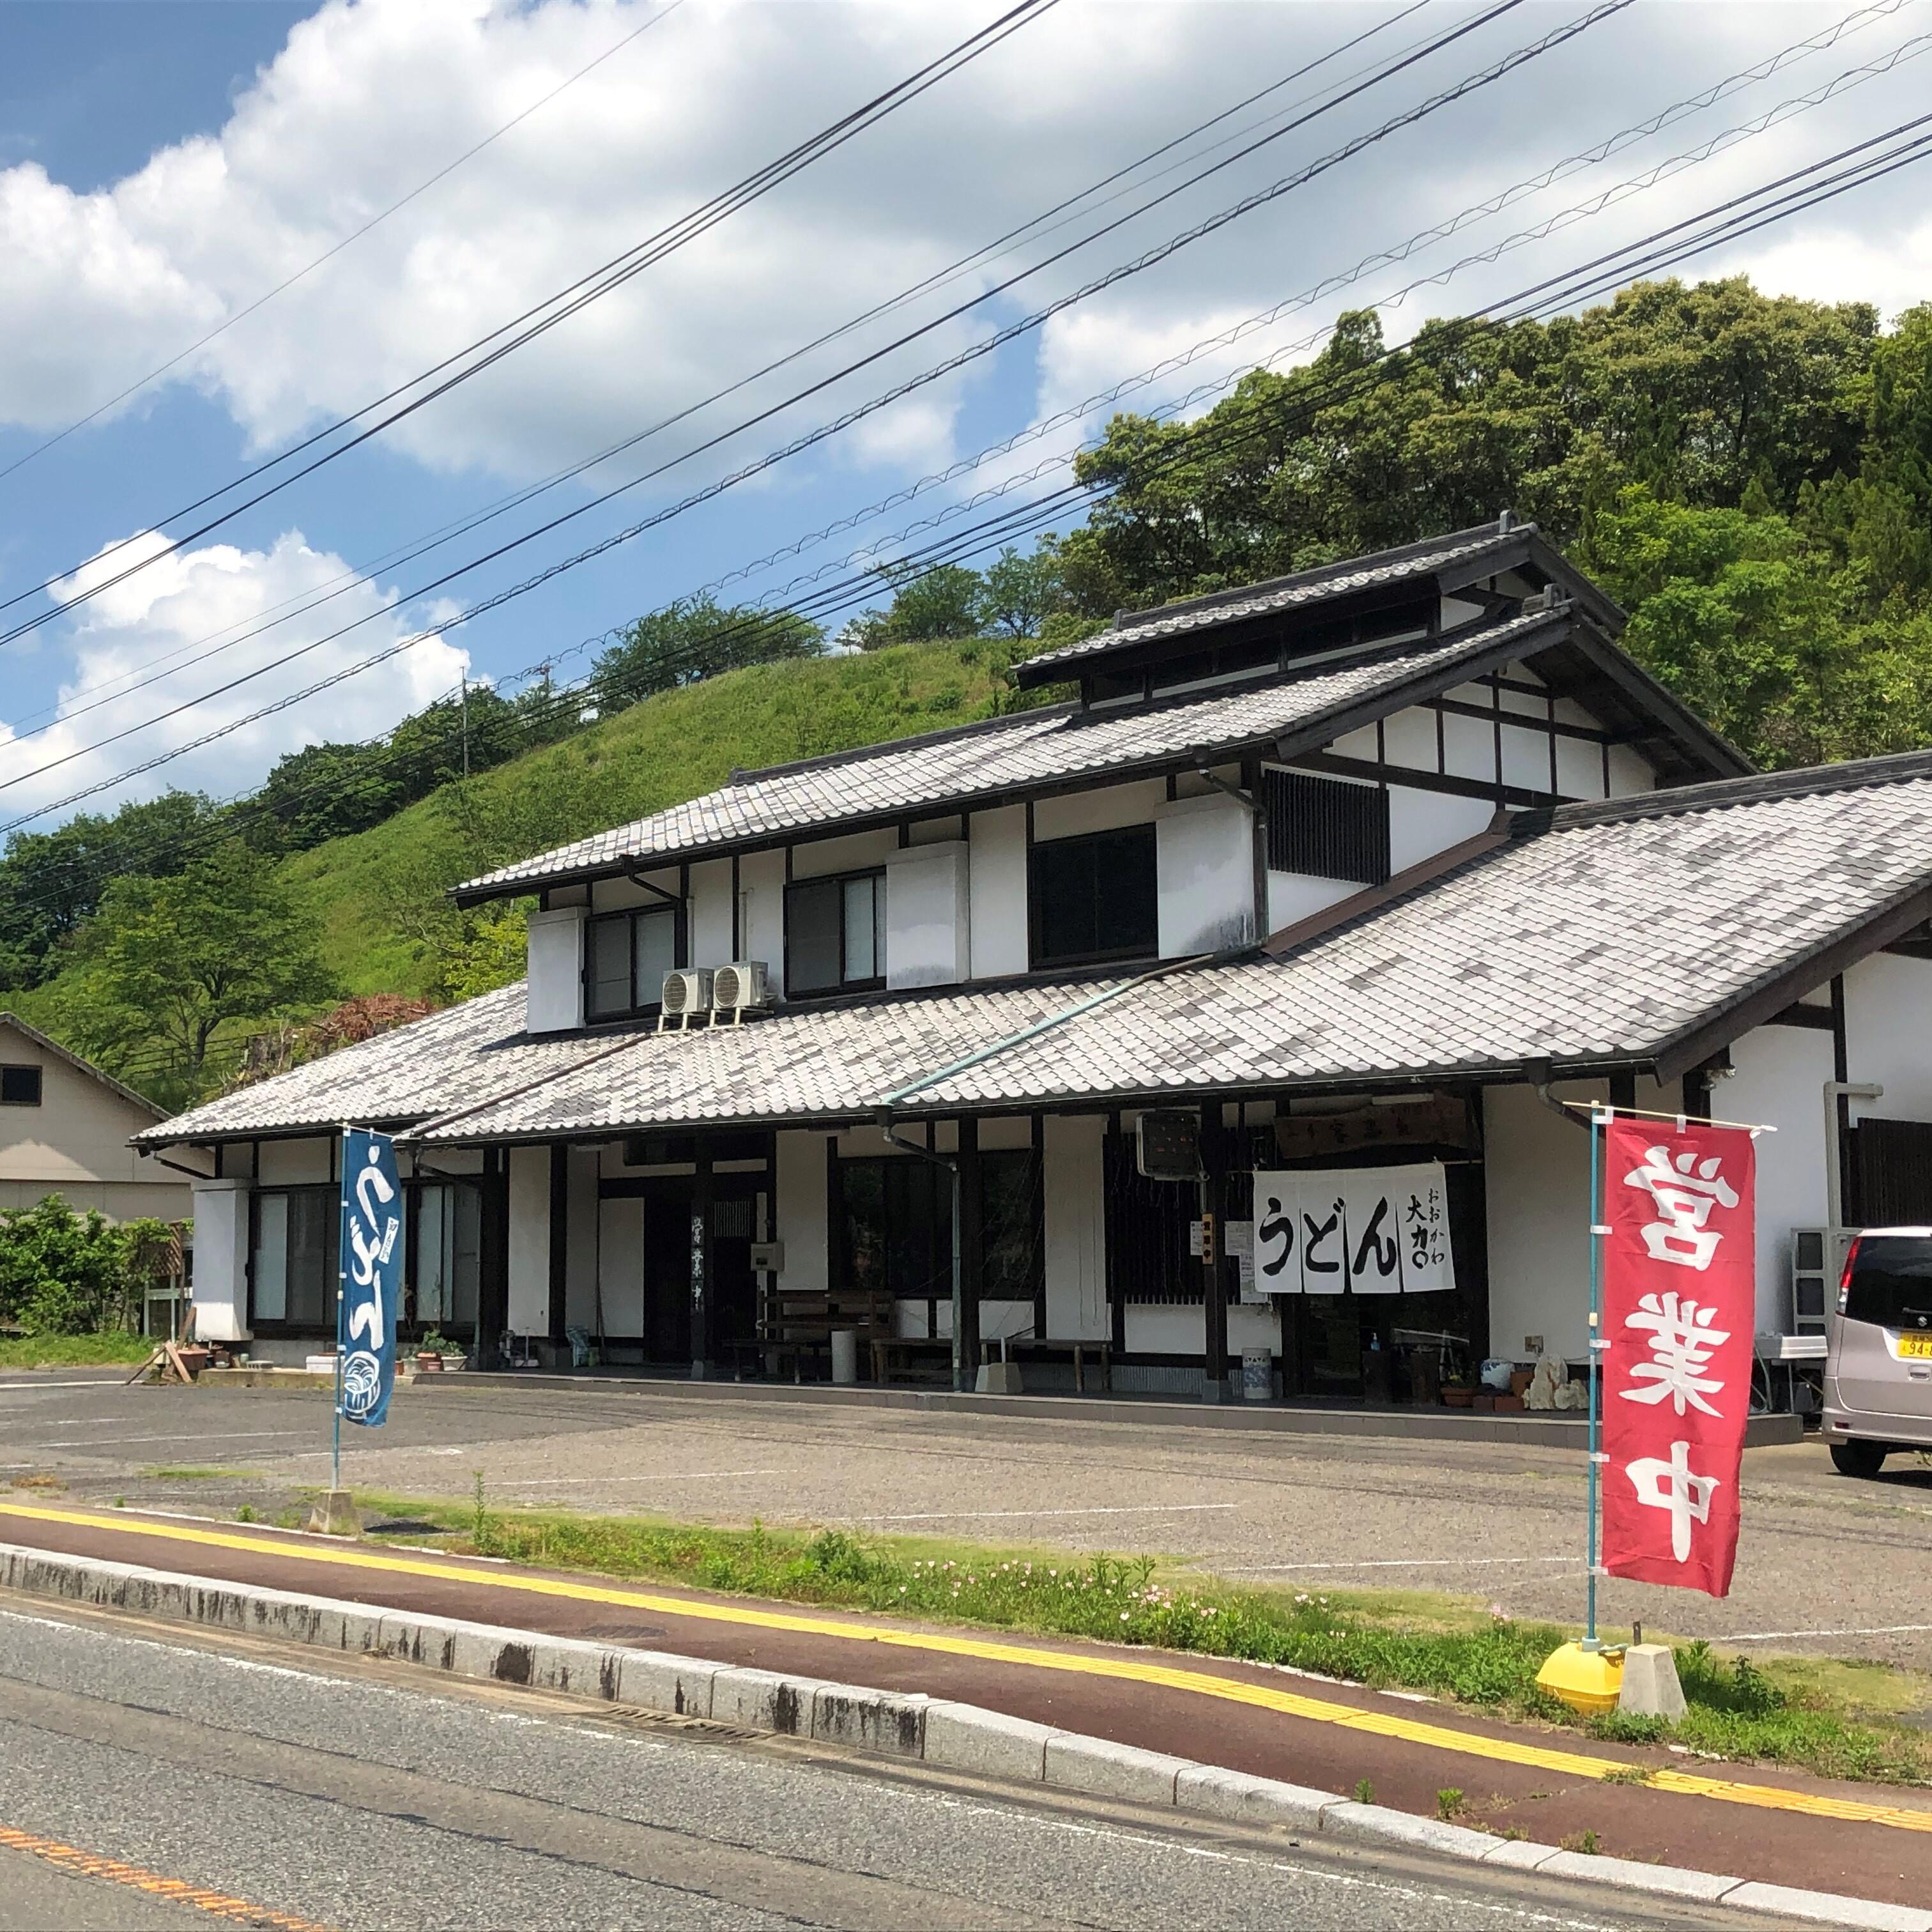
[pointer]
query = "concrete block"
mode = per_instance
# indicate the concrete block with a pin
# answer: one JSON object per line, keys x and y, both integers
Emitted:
{"x": 1825, "y": 1908}
{"x": 654, "y": 1681}
{"x": 962, "y": 1737}
{"x": 762, "y": 1700}
{"x": 999, "y": 1378}
{"x": 1110, "y": 1770}
{"x": 334, "y": 1513}
{"x": 1627, "y": 1875}
{"x": 874, "y": 1721}
{"x": 1520, "y": 1854}
{"x": 1650, "y": 1687}
{"x": 1387, "y": 1827}
{"x": 1253, "y": 1800}
{"x": 419, "y": 1638}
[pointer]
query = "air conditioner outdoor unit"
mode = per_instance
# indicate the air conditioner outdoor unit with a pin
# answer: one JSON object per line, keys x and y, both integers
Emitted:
{"x": 686, "y": 992}
{"x": 1817, "y": 1260}
{"x": 743, "y": 986}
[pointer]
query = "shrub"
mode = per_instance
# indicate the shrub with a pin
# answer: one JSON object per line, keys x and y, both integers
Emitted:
{"x": 64, "y": 1272}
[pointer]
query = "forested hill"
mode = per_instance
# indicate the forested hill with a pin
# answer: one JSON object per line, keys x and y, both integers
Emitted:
{"x": 1750, "y": 476}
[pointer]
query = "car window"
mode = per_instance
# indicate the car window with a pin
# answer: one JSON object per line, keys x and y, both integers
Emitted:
{"x": 1891, "y": 1281}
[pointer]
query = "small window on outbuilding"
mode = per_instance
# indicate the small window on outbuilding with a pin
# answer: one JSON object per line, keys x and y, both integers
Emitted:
{"x": 20, "y": 1086}
{"x": 1326, "y": 829}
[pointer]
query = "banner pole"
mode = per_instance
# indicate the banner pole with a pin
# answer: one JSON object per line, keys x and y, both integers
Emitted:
{"x": 341, "y": 1279}
{"x": 1598, "y": 1118}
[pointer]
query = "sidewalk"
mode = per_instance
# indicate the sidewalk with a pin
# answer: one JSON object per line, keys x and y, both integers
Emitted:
{"x": 1870, "y": 1841}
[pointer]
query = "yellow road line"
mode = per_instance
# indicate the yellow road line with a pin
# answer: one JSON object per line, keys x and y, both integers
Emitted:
{"x": 1232, "y": 1689}
{"x": 90, "y": 1865}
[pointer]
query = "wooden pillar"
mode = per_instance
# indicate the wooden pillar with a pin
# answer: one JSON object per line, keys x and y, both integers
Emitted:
{"x": 559, "y": 1237}
{"x": 1623, "y": 1089}
{"x": 1214, "y": 1301}
{"x": 702, "y": 1192}
{"x": 970, "y": 1235}
{"x": 493, "y": 1259}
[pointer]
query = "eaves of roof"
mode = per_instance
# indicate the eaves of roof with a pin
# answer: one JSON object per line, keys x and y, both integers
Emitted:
{"x": 48, "y": 1044}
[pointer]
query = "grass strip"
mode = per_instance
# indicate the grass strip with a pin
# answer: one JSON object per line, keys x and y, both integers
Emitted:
{"x": 1833, "y": 1719}
{"x": 72, "y": 1351}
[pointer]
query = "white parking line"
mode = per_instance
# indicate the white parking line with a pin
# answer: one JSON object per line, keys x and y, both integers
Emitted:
{"x": 1869, "y": 1630}
{"x": 961, "y": 1516}
{"x": 1400, "y": 1563}
{"x": 187, "y": 1435}
{"x": 593, "y": 1482}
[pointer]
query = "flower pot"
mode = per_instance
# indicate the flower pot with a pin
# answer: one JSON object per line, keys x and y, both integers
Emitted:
{"x": 1458, "y": 1398}
{"x": 194, "y": 1359}
{"x": 428, "y": 1362}
{"x": 1483, "y": 1401}
{"x": 1509, "y": 1404}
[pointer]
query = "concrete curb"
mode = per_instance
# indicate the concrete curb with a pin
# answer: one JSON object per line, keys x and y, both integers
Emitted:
{"x": 955, "y": 1737}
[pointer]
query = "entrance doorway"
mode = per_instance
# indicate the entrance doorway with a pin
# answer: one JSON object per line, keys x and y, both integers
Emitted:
{"x": 646, "y": 1264}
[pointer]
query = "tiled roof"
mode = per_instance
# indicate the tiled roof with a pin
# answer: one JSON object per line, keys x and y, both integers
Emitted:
{"x": 976, "y": 762}
{"x": 461, "y": 1054}
{"x": 1298, "y": 592}
{"x": 1602, "y": 935}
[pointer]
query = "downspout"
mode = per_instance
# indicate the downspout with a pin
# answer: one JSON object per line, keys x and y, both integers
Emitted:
{"x": 960, "y": 1367}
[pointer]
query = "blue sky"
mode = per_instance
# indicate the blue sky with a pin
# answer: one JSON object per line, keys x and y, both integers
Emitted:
{"x": 162, "y": 165}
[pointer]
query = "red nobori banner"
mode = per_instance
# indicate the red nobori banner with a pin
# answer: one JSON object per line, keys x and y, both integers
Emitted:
{"x": 1679, "y": 1300}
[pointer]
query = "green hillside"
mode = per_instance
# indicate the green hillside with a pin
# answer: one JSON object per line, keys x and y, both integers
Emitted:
{"x": 379, "y": 895}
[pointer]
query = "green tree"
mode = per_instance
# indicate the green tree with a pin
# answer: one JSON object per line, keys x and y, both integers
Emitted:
{"x": 1019, "y": 593}
{"x": 66, "y": 1273}
{"x": 697, "y": 637}
{"x": 164, "y": 963}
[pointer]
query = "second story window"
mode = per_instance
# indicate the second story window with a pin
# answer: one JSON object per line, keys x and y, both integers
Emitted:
{"x": 835, "y": 934}
{"x": 630, "y": 952}
{"x": 1094, "y": 898}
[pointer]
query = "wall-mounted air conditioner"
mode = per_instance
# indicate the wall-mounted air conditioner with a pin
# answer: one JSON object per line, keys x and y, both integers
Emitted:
{"x": 744, "y": 986}
{"x": 686, "y": 992}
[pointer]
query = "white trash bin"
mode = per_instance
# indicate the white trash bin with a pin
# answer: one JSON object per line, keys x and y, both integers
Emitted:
{"x": 1258, "y": 1374}
{"x": 844, "y": 1355}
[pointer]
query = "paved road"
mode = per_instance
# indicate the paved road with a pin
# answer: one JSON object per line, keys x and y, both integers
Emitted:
{"x": 351, "y": 1798}
{"x": 1826, "y": 1563}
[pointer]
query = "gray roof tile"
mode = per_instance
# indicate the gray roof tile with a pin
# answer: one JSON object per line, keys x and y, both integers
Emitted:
{"x": 1303, "y": 590}
{"x": 1032, "y": 748}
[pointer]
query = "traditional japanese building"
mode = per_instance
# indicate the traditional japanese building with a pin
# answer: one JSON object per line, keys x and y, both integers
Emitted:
{"x": 1348, "y": 881}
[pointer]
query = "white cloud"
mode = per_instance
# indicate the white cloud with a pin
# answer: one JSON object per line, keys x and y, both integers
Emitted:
{"x": 178, "y": 629}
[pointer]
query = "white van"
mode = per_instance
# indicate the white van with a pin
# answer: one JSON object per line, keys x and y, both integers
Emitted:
{"x": 1878, "y": 1374}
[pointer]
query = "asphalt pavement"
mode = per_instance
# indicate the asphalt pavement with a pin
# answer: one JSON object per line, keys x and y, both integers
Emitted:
{"x": 1827, "y": 1563}
{"x": 347, "y": 1796}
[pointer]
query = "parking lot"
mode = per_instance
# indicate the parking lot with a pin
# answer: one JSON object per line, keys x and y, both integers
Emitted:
{"x": 1826, "y": 1564}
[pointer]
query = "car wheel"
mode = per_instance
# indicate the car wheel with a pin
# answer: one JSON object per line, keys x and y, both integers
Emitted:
{"x": 1858, "y": 1458}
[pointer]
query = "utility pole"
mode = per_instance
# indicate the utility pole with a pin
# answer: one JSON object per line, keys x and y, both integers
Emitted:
{"x": 465, "y": 721}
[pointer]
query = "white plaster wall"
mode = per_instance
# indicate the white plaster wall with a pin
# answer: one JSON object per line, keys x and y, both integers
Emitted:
{"x": 1579, "y": 768}
{"x": 761, "y": 911}
{"x": 1204, "y": 867}
{"x": 1525, "y": 757}
{"x": 1076, "y": 1235}
{"x": 1888, "y": 1034}
{"x": 799, "y": 1204}
{"x": 554, "y": 1000}
{"x": 1537, "y": 1175}
{"x": 1360, "y": 743}
{"x": 529, "y": 1240}
{"x": 1294, "y": 895}
{"x": 221, "y": 1260}
{"x": 295, "y": 1163}
{"x": 1469, "y": 748}
{"x": 1630, "y": 772}
{"x": 1408, "y": 738}
{"x": 620, "y": 1266}
{"x": 616, "y": 895}
{"x": 1099, "y": 811}
{"x": 928, "y": 935}
{"x": 852, "y": 853}
{"x": 1779, "y": 1080}
{"x": 997, "y": 898}
{"x": 710, "y": 913}
{"x": 1423, "y": 822}
{"x": 580, "y": 1253}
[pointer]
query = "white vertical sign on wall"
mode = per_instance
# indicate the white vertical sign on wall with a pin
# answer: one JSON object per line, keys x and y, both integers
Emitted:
{"x": 1368, "y": 1230}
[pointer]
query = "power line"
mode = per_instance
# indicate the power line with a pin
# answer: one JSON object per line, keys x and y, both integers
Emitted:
{"x": 1009, "y": 332}
{"x": 578, "y": 296}
{"x": 329, "y": 254}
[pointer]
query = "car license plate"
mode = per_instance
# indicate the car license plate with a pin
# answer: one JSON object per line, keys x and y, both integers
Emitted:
{"x": 1914, "y": 1344}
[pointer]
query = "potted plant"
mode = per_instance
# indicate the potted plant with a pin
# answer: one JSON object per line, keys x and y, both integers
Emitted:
{"x": 436, "y": 1352}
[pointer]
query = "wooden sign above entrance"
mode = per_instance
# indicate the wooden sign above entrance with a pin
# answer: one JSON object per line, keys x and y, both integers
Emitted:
{"x": 1431, "y": 1120}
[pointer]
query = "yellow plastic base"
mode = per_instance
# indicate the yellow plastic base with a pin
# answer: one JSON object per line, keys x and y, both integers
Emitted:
{"x": 1586, "y": 1680}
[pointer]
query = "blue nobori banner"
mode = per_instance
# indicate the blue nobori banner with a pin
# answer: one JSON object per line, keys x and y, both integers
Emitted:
{"x": 372, "y": 1275}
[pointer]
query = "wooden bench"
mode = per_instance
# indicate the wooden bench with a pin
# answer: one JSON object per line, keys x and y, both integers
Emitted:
{"x": 912, "y": 1354}
{"x": 1079, "y": 1351}
{"x": 796, "y": 1325}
